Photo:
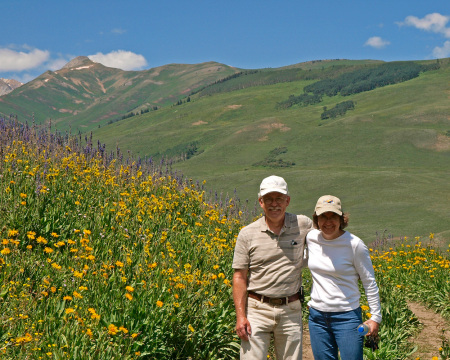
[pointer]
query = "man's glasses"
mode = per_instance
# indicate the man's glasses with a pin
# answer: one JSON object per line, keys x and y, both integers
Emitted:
{"x": 279, "y": 200}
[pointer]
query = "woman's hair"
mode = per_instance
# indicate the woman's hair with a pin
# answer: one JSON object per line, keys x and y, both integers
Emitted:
{"x": 343, "y": 218}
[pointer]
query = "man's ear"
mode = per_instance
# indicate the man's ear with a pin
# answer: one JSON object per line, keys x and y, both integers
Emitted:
{"x": 261, "y": 201}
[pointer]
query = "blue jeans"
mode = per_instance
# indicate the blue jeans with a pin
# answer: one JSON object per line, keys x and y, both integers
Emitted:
{"x": 333, "y": 331}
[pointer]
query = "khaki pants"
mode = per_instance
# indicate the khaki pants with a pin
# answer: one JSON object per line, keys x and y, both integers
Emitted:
{"x": 284, "y": 321}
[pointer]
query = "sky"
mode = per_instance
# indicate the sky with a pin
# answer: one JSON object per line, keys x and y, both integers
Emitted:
{"x": 36, "y": 36}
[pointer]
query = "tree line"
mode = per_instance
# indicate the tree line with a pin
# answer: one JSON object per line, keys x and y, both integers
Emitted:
{"x": 131, "y": 114}
{"x": 363, "y": 79}
{"x": 368, "y": 79}
{"x": 338, "y": 110}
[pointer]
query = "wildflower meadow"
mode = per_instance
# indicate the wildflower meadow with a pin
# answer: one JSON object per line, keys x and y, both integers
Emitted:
{"x": 104, "y": 256}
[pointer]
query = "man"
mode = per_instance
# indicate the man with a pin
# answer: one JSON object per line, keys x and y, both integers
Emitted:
{"x": 267, "y": 261}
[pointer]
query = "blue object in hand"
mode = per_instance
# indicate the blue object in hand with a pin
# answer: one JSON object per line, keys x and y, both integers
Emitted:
{"x": 362, "y": 329}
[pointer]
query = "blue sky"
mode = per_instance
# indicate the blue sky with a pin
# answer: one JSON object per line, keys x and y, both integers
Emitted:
{"x": 36, "y": 36}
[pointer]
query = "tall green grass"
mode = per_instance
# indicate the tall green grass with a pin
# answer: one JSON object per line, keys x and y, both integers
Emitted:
{"x": 108, "y": 257}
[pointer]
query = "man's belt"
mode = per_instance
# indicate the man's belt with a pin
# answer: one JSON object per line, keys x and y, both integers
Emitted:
{"x": 273, "y": 301}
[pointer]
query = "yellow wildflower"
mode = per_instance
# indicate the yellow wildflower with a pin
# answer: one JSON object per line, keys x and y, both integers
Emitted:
{"x": 13, "y": 232}
{"x": 5, "y": 251}
{"x": 112, "y": 329}
{"x": 40, "y": 240}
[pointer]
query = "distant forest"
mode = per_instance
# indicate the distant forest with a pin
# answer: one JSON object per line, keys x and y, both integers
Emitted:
{"x": 339, "y": 110}
{"x": 249, "y": 78}
{"x": 363, "y": 79}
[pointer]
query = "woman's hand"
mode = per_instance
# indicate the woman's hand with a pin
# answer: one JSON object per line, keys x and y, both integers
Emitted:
{"x": 373, "y": 327}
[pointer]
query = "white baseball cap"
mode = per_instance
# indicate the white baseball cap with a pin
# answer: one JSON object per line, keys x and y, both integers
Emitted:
{"x": 273, "y": 183}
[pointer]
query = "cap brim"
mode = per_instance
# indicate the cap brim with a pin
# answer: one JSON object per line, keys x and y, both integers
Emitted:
{"x": 325, "y": 209}
{"x": 266, "y": 191}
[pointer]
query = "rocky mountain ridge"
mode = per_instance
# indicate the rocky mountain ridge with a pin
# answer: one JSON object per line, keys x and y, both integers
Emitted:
{"x": 8, "y": 85}
{"x": 84, "y": 94}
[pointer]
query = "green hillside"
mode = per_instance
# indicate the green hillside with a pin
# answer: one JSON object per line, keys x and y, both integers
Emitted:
{"x": 84, "y": 95}
{"x": 388, "y": 158}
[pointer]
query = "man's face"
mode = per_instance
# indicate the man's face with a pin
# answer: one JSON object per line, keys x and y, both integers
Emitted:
{"x": 274, "y": 205}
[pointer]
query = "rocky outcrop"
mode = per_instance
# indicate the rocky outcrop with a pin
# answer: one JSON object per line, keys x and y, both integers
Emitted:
{"x": 78, "y": 61}
{"x": 8, "y": 85}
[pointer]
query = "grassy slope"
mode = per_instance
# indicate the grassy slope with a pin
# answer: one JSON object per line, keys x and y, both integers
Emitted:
{"x": 86, "y": 99}
{"x": 381, "y": 158}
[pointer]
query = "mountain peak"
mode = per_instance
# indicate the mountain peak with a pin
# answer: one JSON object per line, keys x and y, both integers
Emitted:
{"x": 8, "y": 85}
{"x": 78, "y": 61}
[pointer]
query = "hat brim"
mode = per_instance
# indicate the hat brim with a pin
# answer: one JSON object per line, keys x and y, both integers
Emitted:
{"x": 266, "y": 191}
{"x": 325, "y": 209}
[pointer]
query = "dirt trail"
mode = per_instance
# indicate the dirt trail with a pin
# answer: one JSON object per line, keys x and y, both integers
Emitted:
{"x": 307, "y": 352}
{"x": 429, "y": 340}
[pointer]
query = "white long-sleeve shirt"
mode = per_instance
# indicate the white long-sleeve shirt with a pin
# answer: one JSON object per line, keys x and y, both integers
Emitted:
{"x": 336, "y": 266}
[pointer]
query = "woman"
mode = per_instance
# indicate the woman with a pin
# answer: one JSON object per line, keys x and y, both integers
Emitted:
{"x": 337, "y": 260}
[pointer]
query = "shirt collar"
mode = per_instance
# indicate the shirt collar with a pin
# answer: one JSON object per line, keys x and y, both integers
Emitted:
{"x": 287, "y": 222}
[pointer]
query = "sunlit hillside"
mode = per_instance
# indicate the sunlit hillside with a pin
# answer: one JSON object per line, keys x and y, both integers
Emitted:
{"x": 387, "y": 158}
{"x": 84, "y": 95}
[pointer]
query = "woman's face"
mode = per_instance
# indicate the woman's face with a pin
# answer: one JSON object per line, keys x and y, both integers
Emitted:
{"x": 329, "y": 224}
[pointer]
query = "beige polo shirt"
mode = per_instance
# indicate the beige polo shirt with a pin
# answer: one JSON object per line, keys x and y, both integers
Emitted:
{"x": 274, "y": 262}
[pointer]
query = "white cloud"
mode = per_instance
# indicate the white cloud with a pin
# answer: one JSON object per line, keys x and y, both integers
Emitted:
{"x": 118, "y": 31}
{"x": 442, "y": 52}
{"x": 432, "y": 22}
{"x": 57, "y": 64}
{"x": 125, "y": 60}
{"x": 11, "y": 60}
{"x": 435, "y": 23}
{"x": 376, "y": 42}
{"x": 24, "y": 78}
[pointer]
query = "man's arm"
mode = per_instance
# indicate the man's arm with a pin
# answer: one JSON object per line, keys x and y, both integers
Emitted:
{"x": 243, "y": 328}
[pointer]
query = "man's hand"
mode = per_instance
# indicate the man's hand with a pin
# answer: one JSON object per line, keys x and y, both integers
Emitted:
{"x": 243, "y": 328}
